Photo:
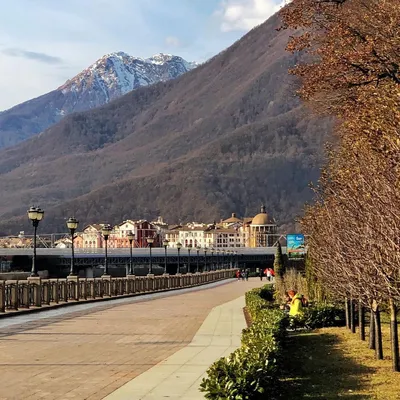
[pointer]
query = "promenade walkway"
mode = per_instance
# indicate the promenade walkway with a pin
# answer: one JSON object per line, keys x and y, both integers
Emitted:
{"x": 91, "y": 352}
{"x": 179, "y": 376}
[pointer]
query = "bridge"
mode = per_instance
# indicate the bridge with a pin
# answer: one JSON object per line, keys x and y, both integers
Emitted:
{"x": 91, "y": 258}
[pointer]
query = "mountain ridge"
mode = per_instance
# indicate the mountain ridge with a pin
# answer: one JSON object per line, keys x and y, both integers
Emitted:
{"x": 108, "y": 78}
{"x": 222, "y": 138}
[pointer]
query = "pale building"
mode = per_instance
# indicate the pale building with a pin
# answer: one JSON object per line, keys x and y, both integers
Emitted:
{"x": 204, "y": 236}
{"x": 260, "y": 231}
{"x": 192, "y": 235}
{"x": 90, "y": 237}
{"x": 161, "y": 227}
{"x": 65, "y": 243}
{"x": 233, "y": 220}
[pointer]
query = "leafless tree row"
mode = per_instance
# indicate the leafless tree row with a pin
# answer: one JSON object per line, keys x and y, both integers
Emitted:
{"x": 351, "y": 70}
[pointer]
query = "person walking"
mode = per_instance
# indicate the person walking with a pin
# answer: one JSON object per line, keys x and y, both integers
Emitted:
{"x": 247, "y": 274}
{"x": 238, "y": 274}
{"x": 269, "y": 275}
{"x": 261, "y": 274}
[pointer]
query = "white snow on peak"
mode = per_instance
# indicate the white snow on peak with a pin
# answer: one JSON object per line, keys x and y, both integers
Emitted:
{"x": 118, "y": 73}
{"x": 161, "y": 58}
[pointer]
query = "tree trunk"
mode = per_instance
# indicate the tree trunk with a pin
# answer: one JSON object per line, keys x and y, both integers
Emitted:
{"x": 352, "y": 317}
{"x": 361, "y": 320}
{"x": 347, "y": 311}
{"x": 378, "y": 334}
{"x": 394, "y": 336}
{"x": 371, "y": 330}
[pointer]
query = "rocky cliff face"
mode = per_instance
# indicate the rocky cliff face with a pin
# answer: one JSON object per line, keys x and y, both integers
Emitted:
{"x": 107, "y": 79}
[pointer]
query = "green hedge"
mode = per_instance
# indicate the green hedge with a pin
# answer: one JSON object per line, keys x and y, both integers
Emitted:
{"x": 319, "y": 316}
{"x": 250, "y": 372}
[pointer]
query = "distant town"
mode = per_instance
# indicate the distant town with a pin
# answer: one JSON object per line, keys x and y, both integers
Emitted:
{"x": 257, "y": 231}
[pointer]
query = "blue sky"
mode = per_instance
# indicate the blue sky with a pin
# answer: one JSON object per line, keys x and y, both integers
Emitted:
{"x": 45, "y": 42}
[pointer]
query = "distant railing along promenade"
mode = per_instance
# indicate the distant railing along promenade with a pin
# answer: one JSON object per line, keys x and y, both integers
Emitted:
{"x": 36, "y": 292}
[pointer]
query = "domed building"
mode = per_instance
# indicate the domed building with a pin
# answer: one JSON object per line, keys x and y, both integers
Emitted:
{"x": 261, "y": 230}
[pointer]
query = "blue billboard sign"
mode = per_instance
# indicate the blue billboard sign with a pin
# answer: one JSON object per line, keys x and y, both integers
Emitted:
{"x": 295, "y": 246}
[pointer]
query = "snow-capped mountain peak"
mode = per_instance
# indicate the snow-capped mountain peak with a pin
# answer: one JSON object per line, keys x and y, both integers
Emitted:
{"x": 110, "y": 77}
{"x": 118, "y": 73}
{"x": 161, "y": 58}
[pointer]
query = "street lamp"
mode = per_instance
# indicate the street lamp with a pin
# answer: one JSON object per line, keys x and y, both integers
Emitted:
{"x": 106, "y": 230}
{"x": 131, "y": 237}
{"x": 165, "y": 244}
{"x": 72, "y": 224}
{"x": 197, "y": 249}
{"x": 150, "y": 241}
{"x": 205, "y": 259}
{"x": 237, "y": 259}
{"x": 188, "y": 266}
{"x": 212, "y": 259}
{"x": 178, "y": 246}
{"x": 217, "y": 266}
{"x": 35, "y": 214}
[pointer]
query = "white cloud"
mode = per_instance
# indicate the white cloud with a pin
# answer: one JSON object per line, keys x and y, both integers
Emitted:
{"x": 243, "y": 15}
{"x": 173, "y": 41}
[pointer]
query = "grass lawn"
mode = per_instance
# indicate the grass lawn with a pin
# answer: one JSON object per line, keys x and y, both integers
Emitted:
{"x": 333, "y": 363}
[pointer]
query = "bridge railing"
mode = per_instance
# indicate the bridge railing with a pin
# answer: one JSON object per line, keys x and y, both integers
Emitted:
{"x": 36, "y": 292}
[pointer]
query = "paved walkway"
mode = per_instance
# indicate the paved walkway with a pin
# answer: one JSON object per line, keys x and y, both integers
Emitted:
{"x": 90, "y": 353}
{"x": 179, "y": 376}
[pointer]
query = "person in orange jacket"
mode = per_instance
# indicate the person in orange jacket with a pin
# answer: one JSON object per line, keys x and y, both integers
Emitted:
{"x": 238, "y": 275}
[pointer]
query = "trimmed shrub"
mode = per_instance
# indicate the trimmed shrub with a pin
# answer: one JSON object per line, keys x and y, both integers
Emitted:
{"x": 319, "y": 316}
{"x": 250, "y": 372}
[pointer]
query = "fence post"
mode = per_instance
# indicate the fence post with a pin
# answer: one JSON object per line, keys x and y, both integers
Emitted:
{"x": 75, "y": 284}
{"x": 92, "y": 290}
{"x": 37, "y": 289}
{"x": 166, "y": 281}
{"x": 150, "y": 282}
{"x": 2, "y": 296}
{"x": 54, "y": 289}
{"x": 106, "y": 280}
{"x": 83, "y": 293}
{"x": 188, "y": 280}
{"x": 46, "y": 292}
{"x": 131, "y": 283}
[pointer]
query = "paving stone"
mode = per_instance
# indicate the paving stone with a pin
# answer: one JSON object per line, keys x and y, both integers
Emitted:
{"x": 90, "y": 354}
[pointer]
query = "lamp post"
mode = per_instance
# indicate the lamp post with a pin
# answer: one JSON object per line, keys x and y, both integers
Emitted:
{"x": 237, "y": 259}
{"x": 72, "y": 224}
{"x": 197, "y": 259}
{"x": 131, "y": 238}
{"x": 217, "y": 266}
{"x": 205, "y": 259}
{"x": 212, "y": 259}
{"x": 35, "y": 214}
{"x": 188, "y": 266}
{"x": 178, "y": 246}
{"x": 106, "y": 230}
{"x": 165, "y": 244}
{"x": 150, "y": 241}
